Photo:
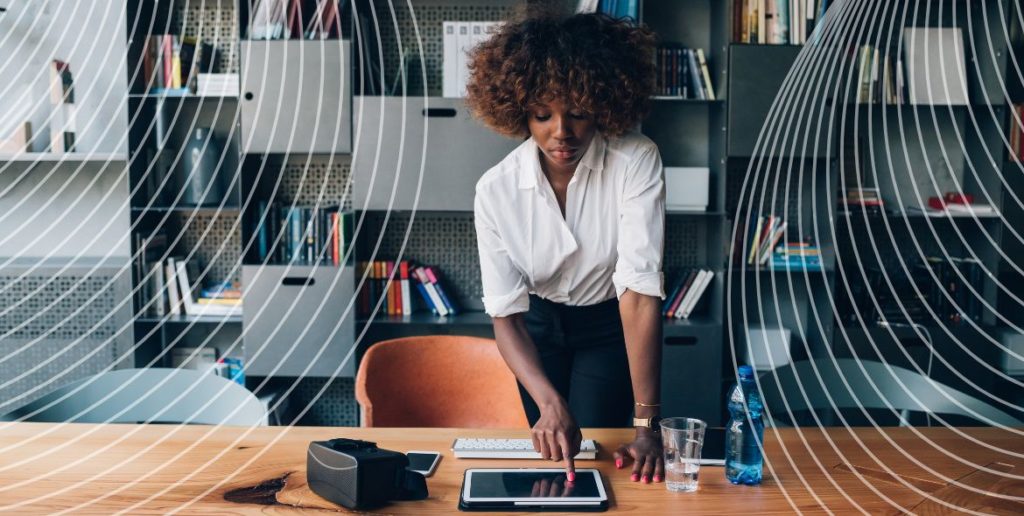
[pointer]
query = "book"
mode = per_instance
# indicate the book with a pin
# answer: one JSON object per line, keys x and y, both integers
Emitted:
{"x": 173, "y": 297}
{"x": 403, "y": 271}
{"x": 667, "y": 303}
{"x": 62, "y": 102}
{"x": 698, "y": 293}
{"x": 709, "y": 90}
{"x": 450, "y": 58}
{"x": 685, "y": 284}
{"x": 695, "y": 75}
{"x": 199, "y": 359}
{"x": 690, "y": 293}
{"x": 432, "y": 293}
{"x": 464, "y": 43}
{"x": 755, "y": 233}
{"x": 434, "y": 276}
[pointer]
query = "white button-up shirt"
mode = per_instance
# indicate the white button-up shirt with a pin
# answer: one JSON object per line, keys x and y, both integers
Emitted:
{"x": 611, "y": 238}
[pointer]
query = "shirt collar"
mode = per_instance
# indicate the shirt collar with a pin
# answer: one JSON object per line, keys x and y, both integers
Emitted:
{"x": 530, "y": 173}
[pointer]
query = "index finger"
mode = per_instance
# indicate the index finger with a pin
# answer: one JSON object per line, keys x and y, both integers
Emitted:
{"x": 570, "y": 465}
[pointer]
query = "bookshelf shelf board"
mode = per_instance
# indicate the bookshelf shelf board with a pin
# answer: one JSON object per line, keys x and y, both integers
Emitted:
{"x": 427, "y": 318}
{"x": 190, "y": 319}
{"x": 183, "y": 209}
{"x": 929, "y": 215}
{"x": 69, "y": 157}
{"x": 921, "y": 215}
{"x": 693, "y": 322}
{"x": 689, "y": 213}
{"x": 750, "y": 269}
{"x": 681, "y": 100}
{"x": 164, "y": 96}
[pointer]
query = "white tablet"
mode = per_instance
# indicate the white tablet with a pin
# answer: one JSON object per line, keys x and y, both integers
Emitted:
{"x": 529, "y": 489}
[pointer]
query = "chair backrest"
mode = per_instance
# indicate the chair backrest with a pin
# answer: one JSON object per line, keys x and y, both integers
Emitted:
{"x": 438, "y": 381}
{"x": 152, "y": 395}
{"x": 819, "y": 385}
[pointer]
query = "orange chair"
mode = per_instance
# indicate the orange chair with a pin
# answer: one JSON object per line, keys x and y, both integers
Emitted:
{"x": 438, "y": 381}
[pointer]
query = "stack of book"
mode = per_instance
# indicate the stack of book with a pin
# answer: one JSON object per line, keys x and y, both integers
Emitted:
{"x": 295, "y": 19}
{"x": 954, "y": 204}
{"x": 613, "y": 8}
{"x": 686, "y": 293}
{"x": 288, "y": 234}
{"x": 762, "y": 236}
{"x": 798, "y": 256}
{"x": 166, "y": 288}
{"x": 683, "y": 73}
{"x": 171, "y": 64}
{"x": 944, "y": 285}
{"x": 862, "y": 199}
{"x": 776, "y": 22}
{"x": 880, "y": 79}
{"x": 949, "y": 297}
{"x": 217, "y": 85}
{"x": 161, "y": 61}
{"x": 1016, "y": 133}
{"x": 398, "y": 283}
{"x": 459, "y": 37}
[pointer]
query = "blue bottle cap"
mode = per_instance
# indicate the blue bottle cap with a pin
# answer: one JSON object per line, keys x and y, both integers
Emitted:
{"x": 746, "y": 371}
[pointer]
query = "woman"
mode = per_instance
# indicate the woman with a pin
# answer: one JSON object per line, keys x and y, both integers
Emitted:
{"x": 570, "y": 227}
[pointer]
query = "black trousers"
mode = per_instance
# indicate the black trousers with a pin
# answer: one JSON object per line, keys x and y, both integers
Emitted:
{"x": 583, "y": 352}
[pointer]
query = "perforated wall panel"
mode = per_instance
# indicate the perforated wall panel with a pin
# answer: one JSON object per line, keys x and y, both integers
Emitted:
{"x": 764, "y": 195}
{"x": 216, "y": 241}
{"x": 335, "y": 407}
{"x": 58, "y": 326}
{"x": 685, "y": 243}
{"x": 215, "y": 22}
{"x": 425, "y": 23}
{"x": 322, "y": 180}
{"x": 446, "y": 241}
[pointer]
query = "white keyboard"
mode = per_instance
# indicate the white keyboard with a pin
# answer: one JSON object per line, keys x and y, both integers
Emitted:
{"x": 466, "y": 448}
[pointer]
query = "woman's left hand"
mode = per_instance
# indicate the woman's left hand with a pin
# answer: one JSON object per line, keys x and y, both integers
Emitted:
{"x": 648, "y": 461}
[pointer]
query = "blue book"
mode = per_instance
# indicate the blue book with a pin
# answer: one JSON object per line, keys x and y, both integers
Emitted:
{"x": 631, "y": 9}
{"x": 452, "y": 310}
{"x": 782, "y": 22}
{"x": 261, "y": 233}
{"x": 295, "y": 240}
{"x": 426, "y": 297}
{"x": 668, "y": 300}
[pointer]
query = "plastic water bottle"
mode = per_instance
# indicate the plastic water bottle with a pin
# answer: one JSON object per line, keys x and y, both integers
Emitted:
{"x": 743, "y": 460}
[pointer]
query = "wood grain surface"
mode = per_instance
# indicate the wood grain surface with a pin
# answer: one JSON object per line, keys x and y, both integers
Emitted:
{"x": 103, "y": 469}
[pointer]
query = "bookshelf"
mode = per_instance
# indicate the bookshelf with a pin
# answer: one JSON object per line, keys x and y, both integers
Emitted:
{"x": 200, "y": 226}
{"x": 724, "y": 135}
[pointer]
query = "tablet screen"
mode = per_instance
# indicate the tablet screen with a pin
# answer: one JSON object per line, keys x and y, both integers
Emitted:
{"x": 532, "y": 484}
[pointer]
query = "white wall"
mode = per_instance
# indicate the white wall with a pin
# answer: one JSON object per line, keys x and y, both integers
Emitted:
{"x": 90, "y": 35}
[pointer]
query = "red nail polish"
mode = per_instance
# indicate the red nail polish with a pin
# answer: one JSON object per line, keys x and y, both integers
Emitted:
{"x": 618, "y": 463}
{"x": 646, "y": 479}
{"x": 571, "y": 476}
{"x": 657, "y": 478}
{"x": 634, "y": 477}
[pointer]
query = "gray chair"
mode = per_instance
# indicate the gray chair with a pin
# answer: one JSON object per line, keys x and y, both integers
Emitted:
{"x": 153, "y": 395}
{"x": 895, "y": 389}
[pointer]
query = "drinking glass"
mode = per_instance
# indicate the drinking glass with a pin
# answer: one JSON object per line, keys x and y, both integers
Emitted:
{"x": 682, "y": 439}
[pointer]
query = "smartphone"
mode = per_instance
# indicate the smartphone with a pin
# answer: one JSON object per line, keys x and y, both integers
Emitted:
{"x": 424, "y": 462}
{"x": 713, "y": 451}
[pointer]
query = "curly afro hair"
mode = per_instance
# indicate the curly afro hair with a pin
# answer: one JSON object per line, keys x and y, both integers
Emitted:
{"x": 592, "y": 62}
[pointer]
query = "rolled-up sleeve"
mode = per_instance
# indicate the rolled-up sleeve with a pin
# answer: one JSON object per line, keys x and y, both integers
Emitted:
{"x": 505, "y": 290}
{"x": 642, "y": 228}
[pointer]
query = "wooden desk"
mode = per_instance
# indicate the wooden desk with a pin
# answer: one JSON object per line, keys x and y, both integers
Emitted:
{"x": 156, "y": 469}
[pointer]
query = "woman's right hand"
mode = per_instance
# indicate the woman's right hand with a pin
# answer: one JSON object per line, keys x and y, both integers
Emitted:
{"x": 556, "y": 435}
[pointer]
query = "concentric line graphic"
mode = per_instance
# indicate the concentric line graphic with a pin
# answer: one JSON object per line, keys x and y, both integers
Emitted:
{"x": 209, "y": 210}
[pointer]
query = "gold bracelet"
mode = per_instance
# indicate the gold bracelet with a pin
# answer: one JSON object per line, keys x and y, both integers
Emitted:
{"x": 647, "y": 404}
